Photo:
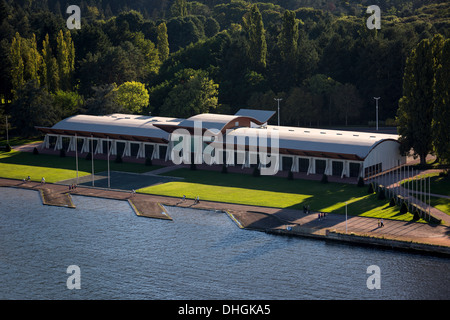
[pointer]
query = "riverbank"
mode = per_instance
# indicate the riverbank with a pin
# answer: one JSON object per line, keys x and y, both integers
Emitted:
{"x": 414, "y": 236}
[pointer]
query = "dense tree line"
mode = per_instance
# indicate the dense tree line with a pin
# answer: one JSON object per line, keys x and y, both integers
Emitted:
{"x": 186, "y": 57}
{"x": 424, "y": 109}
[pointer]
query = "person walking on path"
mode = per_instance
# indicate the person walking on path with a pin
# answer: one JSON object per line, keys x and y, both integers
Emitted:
{"x": 43, "y": 180}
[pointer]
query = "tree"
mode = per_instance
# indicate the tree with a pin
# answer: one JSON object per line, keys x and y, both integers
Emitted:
{"x": 33, "y": 60}
{"x": 26, "y": 62}
{"x": 32, "y": 107}
{"x": 347, "y": 101}
{"x": 440, "y": 123}
{"x": 148, "y": 52}
{"x": 65, "y": 56}
{"x": 103, "y": 101}
{"x": 50, "y": 72}
{"x": 256, "y": 38}
{"x": 415, "y": 111}
{"x": 17, "y": 65}
{"x": 132, "y": 96}
{"x": 195, "y": 93}
{"x": 288, "y": 37}
{"x": 162, "y": 43}
{"x": 179, "y": 8}
{"x": 322, "y": 86}
{"x": 67, "y": 103}
{"x": 285, "y": 67}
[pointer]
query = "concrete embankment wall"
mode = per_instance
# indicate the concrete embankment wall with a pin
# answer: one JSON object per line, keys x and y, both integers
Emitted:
{"x": 365, "y": 240}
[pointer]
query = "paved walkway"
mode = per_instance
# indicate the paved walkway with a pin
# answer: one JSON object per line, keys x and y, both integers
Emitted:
{"x": 264, "y": 218}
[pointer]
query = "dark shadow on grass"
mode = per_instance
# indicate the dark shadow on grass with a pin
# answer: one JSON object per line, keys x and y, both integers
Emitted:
{"x": 69, "y": 163}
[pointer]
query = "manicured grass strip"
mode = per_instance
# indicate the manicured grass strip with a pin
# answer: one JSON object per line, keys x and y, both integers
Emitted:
{"x": 277, "y": 192}
{"x": 442, "y": 204}
{"x": 438, "y": 185}
{"x": 226, "y": 194}
{"x": 19, "y": 165}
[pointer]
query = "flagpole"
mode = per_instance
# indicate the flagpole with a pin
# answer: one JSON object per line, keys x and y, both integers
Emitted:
{"x": 7, "y": 134}
{"x": 429, "y": 198}
{"x": 92, "y": 158}
{"x": 345, "y": 216}
{"x": 109, "y": 179}
{"x": 76, "y": 154}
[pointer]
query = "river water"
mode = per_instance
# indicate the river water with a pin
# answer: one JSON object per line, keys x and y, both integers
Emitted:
{"x": 199, "y": 255}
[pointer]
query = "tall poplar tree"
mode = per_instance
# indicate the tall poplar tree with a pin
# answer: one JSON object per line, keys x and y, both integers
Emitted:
{"x": 286, "y": 69}
{"x": 65, "y": 57}
{"x": 415, "y": 110}
{"x": 51, "y": 72}
{"x": 288, "y": 37}
{"x": 179, "y": 8}
{"x": 256, "y": 38}
{"x": 26, "y": 62}
{"x": 33, "y": 60}
{"x": 162, "y": 43}
{"x": 441, "y": 118}
{"x": 17, "y": 64}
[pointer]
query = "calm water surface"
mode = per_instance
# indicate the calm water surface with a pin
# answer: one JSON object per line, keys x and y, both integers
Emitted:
{"x": 199, "y": 255}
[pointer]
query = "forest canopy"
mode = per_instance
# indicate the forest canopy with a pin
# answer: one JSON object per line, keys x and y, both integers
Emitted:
{"x": 185, "y": 57}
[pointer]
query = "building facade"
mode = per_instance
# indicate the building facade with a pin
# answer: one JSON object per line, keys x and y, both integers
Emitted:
{"x": 312, "y": 151}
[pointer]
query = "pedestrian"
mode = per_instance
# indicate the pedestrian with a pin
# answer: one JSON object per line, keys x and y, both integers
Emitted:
{"x": 43, "y": 180}
{"x": 318, "y": 215}
{"x": 184, "y": 197}
{"x": 28, "y": 178}
{"x": 70, "y": 187}
{"x": 307, "y": 209}
{"x": 382, "y": 223}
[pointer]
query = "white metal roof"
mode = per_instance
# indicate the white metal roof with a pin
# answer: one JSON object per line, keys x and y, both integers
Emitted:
{"x": 261, "y": 115}
{"x": 126, "y": 124}
{"x": 208, "y": 120}
{"x": 320, "y": 140}
{"x": 294, "y": 138}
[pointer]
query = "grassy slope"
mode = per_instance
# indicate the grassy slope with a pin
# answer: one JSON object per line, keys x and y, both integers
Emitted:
{"x": 18, "y": 165}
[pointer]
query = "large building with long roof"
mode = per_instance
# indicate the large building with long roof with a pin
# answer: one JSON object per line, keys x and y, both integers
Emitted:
{"x": 309, "y": 150}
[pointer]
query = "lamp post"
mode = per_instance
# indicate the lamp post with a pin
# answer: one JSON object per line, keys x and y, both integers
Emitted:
{"x": 7, "y": 135}
{"x": 109, "y": 178}
{"x": 92, "y": 158}
{"x": 346, "y": 217}
{"x": 278, "y": 100}
{"x": 76, "y": 155}
{"x": 377, "y": 98}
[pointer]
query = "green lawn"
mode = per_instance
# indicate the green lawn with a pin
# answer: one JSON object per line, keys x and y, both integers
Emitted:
{"x": 18, "y": 165}
{"x": 438, "y": 185}
{"x": 441, "y": 204}
{"x": 277, "y": 192}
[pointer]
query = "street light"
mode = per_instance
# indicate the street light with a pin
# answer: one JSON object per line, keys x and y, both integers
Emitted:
{"x": 278, "y": 99}
{"x": 377, "y": 98}
{"x": 346, "y": 217}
